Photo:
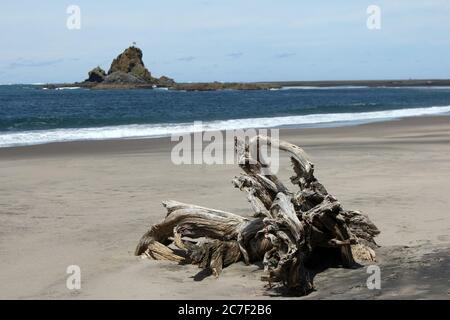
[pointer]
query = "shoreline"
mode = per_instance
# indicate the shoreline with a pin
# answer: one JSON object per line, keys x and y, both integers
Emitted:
{"x": 136, "y": 142}
{"x": 220, "y": 124}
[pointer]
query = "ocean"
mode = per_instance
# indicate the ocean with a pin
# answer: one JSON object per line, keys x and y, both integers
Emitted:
{"x": 30, "y": 115}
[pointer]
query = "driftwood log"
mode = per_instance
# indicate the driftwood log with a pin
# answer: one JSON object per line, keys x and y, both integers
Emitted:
{"x": 293, "y": 234}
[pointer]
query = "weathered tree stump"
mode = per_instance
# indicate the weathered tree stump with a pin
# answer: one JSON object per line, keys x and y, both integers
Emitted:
{"x": 289, "y": 230}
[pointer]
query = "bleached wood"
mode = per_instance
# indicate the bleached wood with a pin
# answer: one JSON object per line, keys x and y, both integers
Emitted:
{"x": 287, "y": 231}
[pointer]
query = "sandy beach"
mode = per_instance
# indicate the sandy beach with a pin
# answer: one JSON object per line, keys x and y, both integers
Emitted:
{"x": 88, "y": 203}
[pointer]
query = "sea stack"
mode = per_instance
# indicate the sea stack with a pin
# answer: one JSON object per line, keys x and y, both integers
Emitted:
{"x": 130, "y": 62}
{"x": 96, "y": 75}
{"x": 127, "y": 71}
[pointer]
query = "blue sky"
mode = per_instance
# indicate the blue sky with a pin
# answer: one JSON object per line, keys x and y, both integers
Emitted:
{"x": 227, "y": 40}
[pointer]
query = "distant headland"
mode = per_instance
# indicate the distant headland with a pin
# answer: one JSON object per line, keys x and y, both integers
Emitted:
{"x": 127, "y": 71}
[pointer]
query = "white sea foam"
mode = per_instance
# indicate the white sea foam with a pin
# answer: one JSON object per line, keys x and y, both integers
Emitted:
{"x": 161, "y": 130}
{"x": 67, "y": 88}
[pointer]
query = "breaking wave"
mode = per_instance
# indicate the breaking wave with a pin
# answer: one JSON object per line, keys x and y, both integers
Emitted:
{"x": 162, "y": 130}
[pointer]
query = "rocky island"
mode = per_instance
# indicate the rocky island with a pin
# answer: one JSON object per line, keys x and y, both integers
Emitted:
{"x": 127, "y": 71}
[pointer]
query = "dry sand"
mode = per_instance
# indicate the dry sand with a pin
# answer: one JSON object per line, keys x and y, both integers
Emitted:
{"x": 88, "y": 203}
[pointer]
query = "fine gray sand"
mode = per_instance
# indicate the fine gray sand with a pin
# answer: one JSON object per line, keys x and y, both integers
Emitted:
{"x": 88, "y": 203}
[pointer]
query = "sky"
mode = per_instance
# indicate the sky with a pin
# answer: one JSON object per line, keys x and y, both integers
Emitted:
{"x": 227, "y": 40}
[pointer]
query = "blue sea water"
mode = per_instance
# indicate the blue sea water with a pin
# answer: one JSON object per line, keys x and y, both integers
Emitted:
{"x": 31, "y": 115}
